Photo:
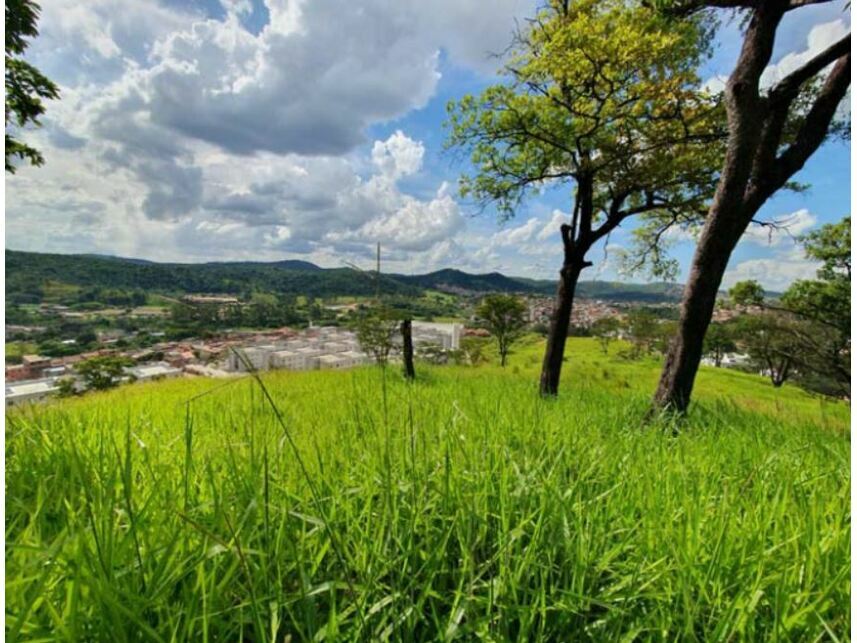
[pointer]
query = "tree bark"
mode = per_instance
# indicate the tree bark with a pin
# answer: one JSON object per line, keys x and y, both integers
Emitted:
{"x": 718, "y": 239}
{"x": 558, "y": 333}
{"x": 408, "y": 350}
{"x": 577, "y": 238}
{"x": 752, "y": 173}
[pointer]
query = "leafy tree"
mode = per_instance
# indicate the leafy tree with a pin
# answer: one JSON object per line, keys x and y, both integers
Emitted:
{"x": 826, "y": 301}
{"x": 605, "y": 329}
{"x": 747, "y": 293}
{"x": 719, "y": 340}
{"x": 641, "y": 326}
{"x": 86, "y": 338}
{"x": 376, "y": 332}
{"x": 663, "y": 333}
{"x": 100, "y": 373}
{"x": 827, "y": 298}
{"x": 772, "y": 133}
{"x": 505, "y": 317}
{"x": 65, "y": 387}
{"x": 811, "y": 323}
{"x": 772, "y": 341}
{"x": 601, "y": 94}
{"x": 26, "y": 86}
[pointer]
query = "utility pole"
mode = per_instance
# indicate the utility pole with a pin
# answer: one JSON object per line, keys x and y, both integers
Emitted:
{"x": 378, "y": 275}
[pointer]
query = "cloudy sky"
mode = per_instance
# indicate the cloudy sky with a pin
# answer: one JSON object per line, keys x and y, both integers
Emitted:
{"x": 212, "y": 130}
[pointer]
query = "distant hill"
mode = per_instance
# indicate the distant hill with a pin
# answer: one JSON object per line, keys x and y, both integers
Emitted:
{"x": 28, "y": 272}
{"x": 452, "y": 280}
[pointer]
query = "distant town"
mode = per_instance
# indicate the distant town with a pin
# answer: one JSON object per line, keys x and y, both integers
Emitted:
{"x": 76, "y": 323}
{"x": 229, "y": 352}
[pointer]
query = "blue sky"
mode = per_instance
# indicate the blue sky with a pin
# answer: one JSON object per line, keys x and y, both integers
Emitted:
{"x": 201, "y": 130}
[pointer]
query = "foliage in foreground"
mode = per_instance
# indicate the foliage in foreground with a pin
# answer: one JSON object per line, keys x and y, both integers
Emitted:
{"x": 462, "y": 506}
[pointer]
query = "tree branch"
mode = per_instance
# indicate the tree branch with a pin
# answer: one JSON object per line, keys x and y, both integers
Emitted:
{"x": 815, "y": 126}
{"x": 797, "y": 4}
{"x": 789, "y": 86}
{"x": 687, "y": 7}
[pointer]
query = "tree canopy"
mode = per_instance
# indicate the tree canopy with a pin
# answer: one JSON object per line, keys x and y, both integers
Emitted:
{"x": 26, "y": 86}
{"x": 598, "y": 92}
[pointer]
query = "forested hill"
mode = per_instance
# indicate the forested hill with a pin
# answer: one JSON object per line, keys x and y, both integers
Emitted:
{"x": 28, "y": 272}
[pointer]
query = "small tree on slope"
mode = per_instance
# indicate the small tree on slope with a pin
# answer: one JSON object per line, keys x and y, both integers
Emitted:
{"x": 504, "y": 316}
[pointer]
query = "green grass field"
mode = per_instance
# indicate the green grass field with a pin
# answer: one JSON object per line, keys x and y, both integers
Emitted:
{"x": 460, "y": 507}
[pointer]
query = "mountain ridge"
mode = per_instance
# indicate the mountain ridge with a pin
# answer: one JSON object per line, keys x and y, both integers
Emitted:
{"x": 28, "y": 269}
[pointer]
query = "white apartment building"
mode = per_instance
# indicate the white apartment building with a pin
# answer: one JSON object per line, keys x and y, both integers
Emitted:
{"x": 447, "y": 336}
{"x": 155, "y": 371}
{"x": 30, "y": 390}
{"x": 290, "y": 360}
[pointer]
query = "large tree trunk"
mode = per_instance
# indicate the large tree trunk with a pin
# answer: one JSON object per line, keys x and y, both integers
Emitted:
{"x": 408, "y": 350}
{"x": 560, "y": 319}
{"x": 716, "y": 243}
{"x": 753, "y": 170}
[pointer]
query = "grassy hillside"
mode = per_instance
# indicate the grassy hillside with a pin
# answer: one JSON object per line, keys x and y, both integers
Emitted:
{"x": 461, "y": 507}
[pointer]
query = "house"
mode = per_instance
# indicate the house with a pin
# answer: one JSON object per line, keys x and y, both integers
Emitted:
{"x": 35, "y": 361}
{"x": 258, "y": 357}
{"x": 334, "y": 362}
{"x": 17, "y": 373}
{"x": 447, "y": 336}
{"x": 153, "y": 371}
{"x": 30, "y": 390}
{"x": 288, "y": 359}
{"x": 335, "y": 347}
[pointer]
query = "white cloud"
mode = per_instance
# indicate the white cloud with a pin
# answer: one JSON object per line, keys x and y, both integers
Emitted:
{"x": 275, "y": 205}
{"x": 398, "y": 156}
{"x": 183, "y": 136}
{"x": 820, "y": 38}
{"x": 774, "y": 273}
{"x": 516, "y": 236}
{"x": 552, "y": 227}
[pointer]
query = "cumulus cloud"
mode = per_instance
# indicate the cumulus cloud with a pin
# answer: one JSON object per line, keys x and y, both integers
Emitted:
{"x": 774, "y": 273}
{"x": 207, "y": 125}
{"x": 518, "y": 235}
{"x": 310, "y": 82}
{"x": 185, "y": 135}
{"x": 820, "y": 38}
{"x": 552, "y": 227}
{"x": 398, "y": 156}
